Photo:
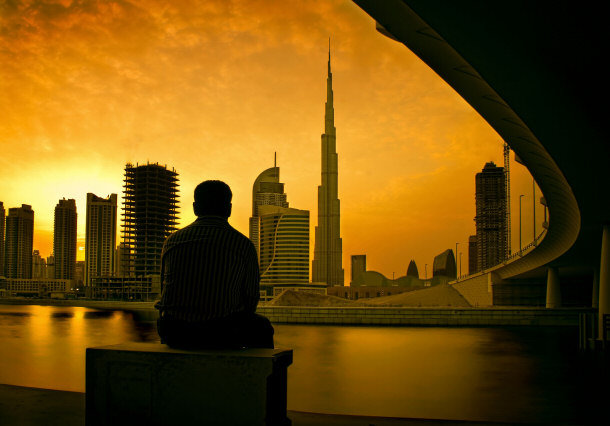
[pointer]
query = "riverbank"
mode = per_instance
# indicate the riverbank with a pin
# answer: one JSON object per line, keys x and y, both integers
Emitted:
{"x": 114, "y": 305}
{"x": 361, "y": 315}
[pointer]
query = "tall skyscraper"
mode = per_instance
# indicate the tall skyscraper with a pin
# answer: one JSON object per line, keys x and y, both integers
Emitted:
{"x": 64, "y": 239}
{"x": 490, "y": 219}
{"x": 266, "y": 191}
{"x": 2, "y": 223}
{"x": 327, "y": 264}
{"x": 149, "y": 215}
{"x": 279, "y": 233}
{"x": 18, "y": 242}
{"x": 283, "y": 245}
{"x": 100, "y": 236}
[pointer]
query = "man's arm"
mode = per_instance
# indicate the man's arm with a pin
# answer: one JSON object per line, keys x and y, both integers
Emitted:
{"x": 158, "y": 305}
{"x": 251, "y": 290}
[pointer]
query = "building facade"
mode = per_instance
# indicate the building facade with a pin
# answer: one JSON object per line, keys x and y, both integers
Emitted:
{"x": 100, "y": 236}
{"x": 491, "y": 224}
{"x": 50, "y": 267}
{"x": 445, "y": 265}
{"x": 283, "y": 245}
{"x": 18, "y": 242}
{"x": 64, "y": 239}
{"x": 149, "y": 215}
{"x": 39, "y": 287}
{"x": 327, "y": 264}
{"x": 39, "y": 265}
{"x": 266, "y": 191}
{"x": 2, "y": 223}
{"x": 472, "y": 255}
{"x": 358, "y": 266}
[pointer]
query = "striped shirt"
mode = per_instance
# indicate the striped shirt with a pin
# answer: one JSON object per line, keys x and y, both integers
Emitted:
{"x": 208, "y": 270}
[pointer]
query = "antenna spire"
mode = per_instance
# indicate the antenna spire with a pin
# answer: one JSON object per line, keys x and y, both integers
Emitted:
{"x": 329, "y": 55}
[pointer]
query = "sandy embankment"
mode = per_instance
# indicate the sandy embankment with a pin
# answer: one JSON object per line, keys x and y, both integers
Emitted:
{"x": 437, "y": 296}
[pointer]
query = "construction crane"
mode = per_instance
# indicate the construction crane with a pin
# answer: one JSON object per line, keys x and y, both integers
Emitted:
{"x": 507, "y": 186}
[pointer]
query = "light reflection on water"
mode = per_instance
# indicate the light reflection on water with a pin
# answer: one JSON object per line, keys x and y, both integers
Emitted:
{"x": 500, "y": 374}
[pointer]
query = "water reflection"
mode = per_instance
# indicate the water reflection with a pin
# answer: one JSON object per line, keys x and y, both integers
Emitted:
{"x": 511, "y": 375}
{"x": 98, "y": 314}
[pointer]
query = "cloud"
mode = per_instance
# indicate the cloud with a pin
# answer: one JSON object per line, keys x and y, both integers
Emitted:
{"x": 214, "y": 88}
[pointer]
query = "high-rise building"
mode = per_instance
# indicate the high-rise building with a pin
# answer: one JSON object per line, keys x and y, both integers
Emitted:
{"x": 121, "y": 261}
{"x": 150, "y": 214}
{"x": 283, "y": 245}
{"x": 100, "y": 236}
{"x": 79, "y": 274}
{"x": 2, "y": 223}
{"x": 64, "y": 239}
{"x": 327, "y": 264}
{"x": 18, "y": 242}
{"x": 472, "y": 255}
{"x": 266, "y": 191}
{"x": 39, "y": 266}
{"x": 358, "y": 266}
{"x": 51, "y": 267}
{"x": 491, "y": 225}
{"x": 279, "y": 233}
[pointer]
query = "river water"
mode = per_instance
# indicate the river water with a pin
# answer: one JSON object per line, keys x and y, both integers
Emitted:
{"x": 495, "y": 374}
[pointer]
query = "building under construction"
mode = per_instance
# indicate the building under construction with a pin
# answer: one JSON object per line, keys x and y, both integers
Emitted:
{"x": 492, "y": 243}
{"x": 150, "y": 214}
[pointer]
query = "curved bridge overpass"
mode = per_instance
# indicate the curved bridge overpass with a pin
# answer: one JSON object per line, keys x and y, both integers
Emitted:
{"x": 534, "y": 72}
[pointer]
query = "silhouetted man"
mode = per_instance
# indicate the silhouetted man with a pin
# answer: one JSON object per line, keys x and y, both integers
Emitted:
{"x": 210, "y": 280}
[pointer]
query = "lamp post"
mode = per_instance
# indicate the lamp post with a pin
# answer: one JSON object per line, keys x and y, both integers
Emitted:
{"x": 534, "y": 207}
{"x": 460, "y": 264}
{"x": 426, "y": 271}
{"x": 456, "y": 256}
{"x": 520, "y": 198}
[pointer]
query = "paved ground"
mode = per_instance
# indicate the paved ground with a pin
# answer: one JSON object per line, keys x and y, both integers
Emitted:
{"x": 21, "y": 406}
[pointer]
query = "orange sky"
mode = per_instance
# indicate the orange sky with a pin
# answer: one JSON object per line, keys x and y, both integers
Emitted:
{"x": 213, "y": 89}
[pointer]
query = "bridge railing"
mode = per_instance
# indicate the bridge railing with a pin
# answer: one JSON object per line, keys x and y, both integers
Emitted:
{"x": 514, "y": 256}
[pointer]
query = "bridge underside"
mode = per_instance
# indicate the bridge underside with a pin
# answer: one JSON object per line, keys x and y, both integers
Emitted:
{"x": 534, "y": 72}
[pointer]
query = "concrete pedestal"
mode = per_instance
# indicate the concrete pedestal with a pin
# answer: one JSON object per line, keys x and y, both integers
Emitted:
{"x": 152, "y": 384}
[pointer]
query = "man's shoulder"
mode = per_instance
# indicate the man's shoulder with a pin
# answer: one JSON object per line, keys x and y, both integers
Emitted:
{"x": 201, "y": 228}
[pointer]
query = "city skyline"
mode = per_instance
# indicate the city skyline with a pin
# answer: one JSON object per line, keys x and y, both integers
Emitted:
{"x": 409, "y": 145}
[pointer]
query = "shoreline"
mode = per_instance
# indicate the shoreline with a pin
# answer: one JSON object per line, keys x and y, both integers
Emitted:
{"x": 360, "y": 315}
{"x": 115, "y": 305}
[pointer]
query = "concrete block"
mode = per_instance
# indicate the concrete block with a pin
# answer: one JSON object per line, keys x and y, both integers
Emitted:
{"x": 152, "y": 384}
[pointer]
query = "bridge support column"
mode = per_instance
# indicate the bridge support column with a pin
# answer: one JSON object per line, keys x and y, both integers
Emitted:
{"x": 553, "y": 289}
{"x": 604, "y": 279}
{"x": 595, "y": 289}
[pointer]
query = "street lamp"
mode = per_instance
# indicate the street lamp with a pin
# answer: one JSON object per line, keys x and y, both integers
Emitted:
{"x": 534, "y": 206}
{"x": 426, "y": 271}
{"x": 460, "y": 264}
{"x": 456, "y": 256}
{"x": 520, "y": 198}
